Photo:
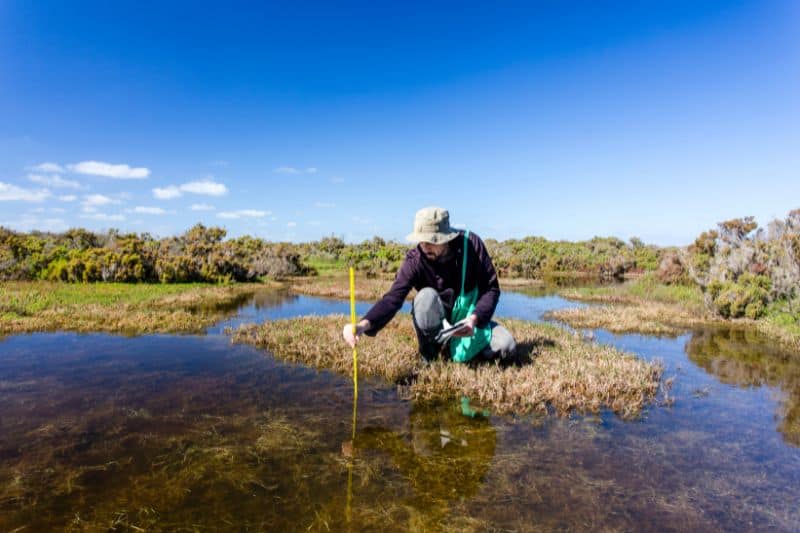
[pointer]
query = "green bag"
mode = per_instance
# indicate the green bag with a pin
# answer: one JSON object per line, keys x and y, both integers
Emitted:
{"x": 462, "y": 349}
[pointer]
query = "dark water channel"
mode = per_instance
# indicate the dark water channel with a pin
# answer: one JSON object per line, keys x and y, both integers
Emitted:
{"x": 164, "y": 432}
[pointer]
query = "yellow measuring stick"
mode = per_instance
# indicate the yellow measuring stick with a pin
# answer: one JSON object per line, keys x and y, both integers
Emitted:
{"x": 348, "y": 513}
{"x": 353, "y": 320}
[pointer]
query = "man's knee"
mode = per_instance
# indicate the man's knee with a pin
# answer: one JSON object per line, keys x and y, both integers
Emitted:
{"x": 428, "y": 310}
{"x": 502, "y": 343}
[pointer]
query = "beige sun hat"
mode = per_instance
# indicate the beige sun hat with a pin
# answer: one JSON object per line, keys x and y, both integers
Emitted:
{"x": 432, "y": 224}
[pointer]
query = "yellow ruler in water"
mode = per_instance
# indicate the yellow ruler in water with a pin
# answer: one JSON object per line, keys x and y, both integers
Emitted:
{"x": 353, "y": 320}
{"x": 355, "y": 397}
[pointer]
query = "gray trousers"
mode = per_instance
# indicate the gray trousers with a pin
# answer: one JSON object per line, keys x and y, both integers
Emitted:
{"x": 428, "y": 313}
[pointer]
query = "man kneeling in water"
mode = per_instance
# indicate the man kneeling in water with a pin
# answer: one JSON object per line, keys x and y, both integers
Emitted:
{"x": 455, "y": 281}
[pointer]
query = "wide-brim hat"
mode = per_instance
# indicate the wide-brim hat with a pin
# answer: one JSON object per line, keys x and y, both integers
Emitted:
{"x": 432, "y": 224}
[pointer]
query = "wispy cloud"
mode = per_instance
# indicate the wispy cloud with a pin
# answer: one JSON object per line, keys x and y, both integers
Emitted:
{"x": 338, "y": 179}
{"x": 202, "y": 207}
{"x": 291, "y": 224}
{"x": 48, "y": 210}
{"x": 206, "y": 187}
{"x": 55, "y": 181}
{"x": 29, "y": 222}
{"x": 144, "y": 210}
{"x": 324, "y": 205}
{"x": 48, "y": 167}
{"x": 294, "y": 170}
{"x": 98, "y": 199}
{"x": 68, "y": 198}
{"x": 13, "y": 193}
{"x": 109, "y": 170}
{"x": 102, "y": 216}
{"x": 166, "y": 193}
{"x": 243, "y": 213}
{"x": 288, "y": 170}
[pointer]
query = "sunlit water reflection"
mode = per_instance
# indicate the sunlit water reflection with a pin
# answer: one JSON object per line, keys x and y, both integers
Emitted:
{"x": 171, "y": 432}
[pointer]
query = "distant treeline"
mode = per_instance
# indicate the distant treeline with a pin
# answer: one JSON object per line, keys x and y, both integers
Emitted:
{"x": 740, "y": 267}
{"x": 201, "y": 254}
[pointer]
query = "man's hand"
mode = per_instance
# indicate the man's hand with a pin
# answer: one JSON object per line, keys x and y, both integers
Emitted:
{"x": 469, "y": 327}
{"x": 352, "y": 337}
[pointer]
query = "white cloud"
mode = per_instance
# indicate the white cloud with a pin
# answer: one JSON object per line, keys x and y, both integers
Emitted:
{"x": 103, "y": 216}
{"x": 287, "y": 170}
{"x": 207, "y": 187}
{"x": 147, "y": 210}
{"x": 311, "y": 170}
{"x": 202, "y": 207}
{"x": 360, "y": 220}
{"x": 54, "y": 180}
{"x": 243, "y": 213}
{"x": 291, "y": 224}
{"x": 28, "y": 223}
{"x": 49, "y": 167}
{"x": 68, "y": 198}
{"x": 324, "y": 204}
{"x": 337, "y": 180}
{"x": 109, "y": 170}
{"x": 166, "y": 193}
{"x": 11, "y": 193}
{"x": 98, "y": 199}
{"x": 48, "y": 210}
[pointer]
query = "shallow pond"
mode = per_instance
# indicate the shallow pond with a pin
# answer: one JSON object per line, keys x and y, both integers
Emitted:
{"x": 166, "y": 432}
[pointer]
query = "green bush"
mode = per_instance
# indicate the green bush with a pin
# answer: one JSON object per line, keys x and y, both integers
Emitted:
{"x": 746, "y": 297}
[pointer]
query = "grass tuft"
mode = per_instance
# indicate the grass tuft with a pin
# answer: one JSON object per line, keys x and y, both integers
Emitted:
{"x": 558, "y": 370}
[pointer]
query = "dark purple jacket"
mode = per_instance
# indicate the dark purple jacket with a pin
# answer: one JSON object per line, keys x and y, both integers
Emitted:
{"x": 418, "y": 272}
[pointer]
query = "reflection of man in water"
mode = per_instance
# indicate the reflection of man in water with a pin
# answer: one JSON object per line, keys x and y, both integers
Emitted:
{"x": 444, "y": 458}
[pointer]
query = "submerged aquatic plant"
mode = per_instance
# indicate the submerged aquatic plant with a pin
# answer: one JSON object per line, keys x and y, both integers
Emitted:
{"x": 555, "y": 369}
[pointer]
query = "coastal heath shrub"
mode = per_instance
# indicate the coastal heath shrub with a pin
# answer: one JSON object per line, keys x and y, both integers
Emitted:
{"x": 746, "y": 297}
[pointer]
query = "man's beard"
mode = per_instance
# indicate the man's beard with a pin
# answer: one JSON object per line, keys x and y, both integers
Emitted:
{"x": 442, "y": 258}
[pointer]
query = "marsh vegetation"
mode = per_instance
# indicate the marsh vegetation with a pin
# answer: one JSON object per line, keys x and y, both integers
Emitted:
{"x": 115, "y": 307}
{"x": 554, "y": 370}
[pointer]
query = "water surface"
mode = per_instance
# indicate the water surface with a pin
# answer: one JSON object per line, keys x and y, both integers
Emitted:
{"x": 166, "y": 432}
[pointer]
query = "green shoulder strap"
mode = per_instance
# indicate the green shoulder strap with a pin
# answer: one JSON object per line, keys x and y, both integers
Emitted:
{"x": 462, "y": 349}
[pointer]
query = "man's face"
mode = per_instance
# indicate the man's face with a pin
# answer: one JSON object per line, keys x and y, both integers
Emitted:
{"x": 434, "y": 252}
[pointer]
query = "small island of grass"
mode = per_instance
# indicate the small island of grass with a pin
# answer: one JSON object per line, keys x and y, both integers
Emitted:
{"x": 556, "y": 369}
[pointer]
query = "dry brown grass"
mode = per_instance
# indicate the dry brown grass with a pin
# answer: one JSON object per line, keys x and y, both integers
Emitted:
{"x": 187, "y": 310}
{"x": 651, "y": 318}
{"x": 558, "y": 369}
{"x": 338, "y": 286}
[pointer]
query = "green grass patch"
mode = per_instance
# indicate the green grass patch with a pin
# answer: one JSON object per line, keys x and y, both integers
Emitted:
{"x": 643, "y": 289}
{"x": 114, "y": 307}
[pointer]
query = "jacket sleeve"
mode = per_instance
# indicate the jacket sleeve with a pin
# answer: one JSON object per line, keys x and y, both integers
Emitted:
{"x": 488, "y": 285}
{"x": 384, "y": 309}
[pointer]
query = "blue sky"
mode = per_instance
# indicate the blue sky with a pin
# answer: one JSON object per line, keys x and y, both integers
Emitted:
{"x": 293, "y": 121}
